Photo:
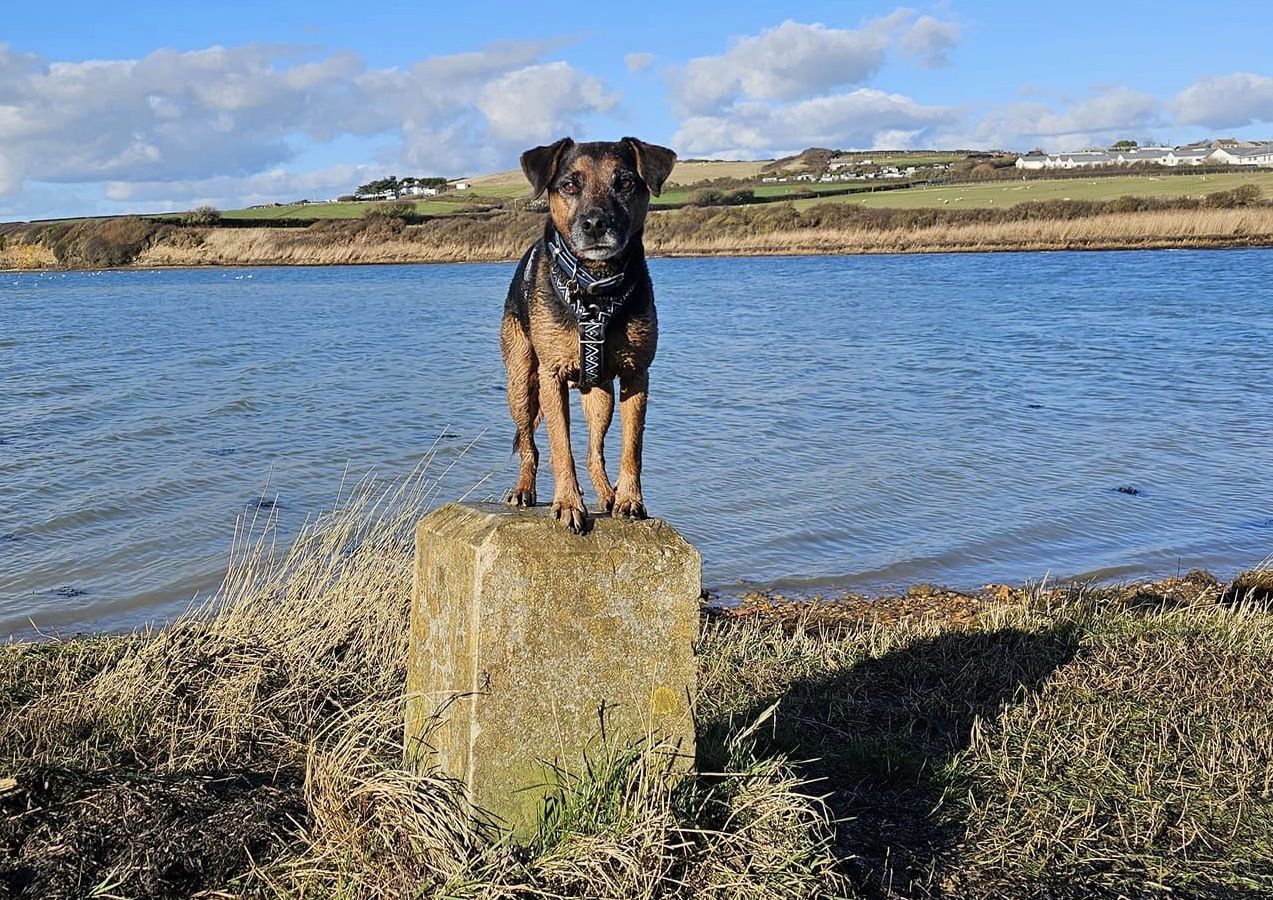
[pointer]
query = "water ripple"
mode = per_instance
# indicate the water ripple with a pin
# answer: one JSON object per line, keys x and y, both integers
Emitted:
{"x": 815, "y": 423}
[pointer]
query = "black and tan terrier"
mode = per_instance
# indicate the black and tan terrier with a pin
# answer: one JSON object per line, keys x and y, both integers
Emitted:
{"x": 580, "y": 312}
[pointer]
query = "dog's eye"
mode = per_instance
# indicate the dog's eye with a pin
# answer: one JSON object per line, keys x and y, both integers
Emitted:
{"x": 570, "y": 187}
{"x": 625, "y": 183}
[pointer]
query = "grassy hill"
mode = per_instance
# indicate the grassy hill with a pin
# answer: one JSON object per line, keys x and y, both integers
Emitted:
{"x": 978, "y": 195}
{"x": 499, "y": 189}
{"x": 708, "y": 208}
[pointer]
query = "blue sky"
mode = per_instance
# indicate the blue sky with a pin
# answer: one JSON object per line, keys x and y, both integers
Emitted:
{"x": 160, "y": 107}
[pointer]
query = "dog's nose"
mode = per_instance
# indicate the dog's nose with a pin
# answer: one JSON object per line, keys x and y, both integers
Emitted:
{"x": 594, "y": 224}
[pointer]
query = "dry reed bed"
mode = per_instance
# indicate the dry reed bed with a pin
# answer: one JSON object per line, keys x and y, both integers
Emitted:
{"x": 418, "y": 244}
{"x": 1138, "y": 230}
{"x": 1224, "y": 219}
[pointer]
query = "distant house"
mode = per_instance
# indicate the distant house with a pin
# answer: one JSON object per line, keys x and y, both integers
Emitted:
{"x": 1142, "y": 155}
{"x": 1188, "y": 156}
{"x": 1225, "y": 151}
{"x": 1083, "y": 159}
{"x": 461, "y": 185}
{"x": 841, "y": 162}
{"x": 1258, "y": 155}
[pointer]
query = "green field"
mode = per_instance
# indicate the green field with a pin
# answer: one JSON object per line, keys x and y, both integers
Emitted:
{"x": 1007, "y": 193}
{"x": 912, "y": 159}
{"x": 331, "y": 210}
{"x": 681, "y": 196}
{"x": 971, "y": 195}
{"x": 451, "y": 202}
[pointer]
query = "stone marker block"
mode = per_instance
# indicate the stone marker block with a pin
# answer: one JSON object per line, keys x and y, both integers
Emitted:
{"x": 522, "y": 634}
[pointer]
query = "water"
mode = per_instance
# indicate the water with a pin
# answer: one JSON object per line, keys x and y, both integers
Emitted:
{"x": 816, "y": 423}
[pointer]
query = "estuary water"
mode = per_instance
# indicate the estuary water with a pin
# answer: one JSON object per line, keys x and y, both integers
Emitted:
{"x": 816, "y": 424}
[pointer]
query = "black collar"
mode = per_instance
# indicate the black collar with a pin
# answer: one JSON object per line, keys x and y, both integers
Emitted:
{"x": 578, "y": 282}
{"x": 594, "y": 301}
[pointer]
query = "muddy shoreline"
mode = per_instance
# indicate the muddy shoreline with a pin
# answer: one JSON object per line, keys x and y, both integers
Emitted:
{"x": 1252, "y": 242}
{"x": 767, "y": 230}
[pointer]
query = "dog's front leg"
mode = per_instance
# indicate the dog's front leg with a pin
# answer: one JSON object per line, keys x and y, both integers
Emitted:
{"x": 598, "y": 409}
{"x": 567, "y": 498}
{"x": 634, "y": 387}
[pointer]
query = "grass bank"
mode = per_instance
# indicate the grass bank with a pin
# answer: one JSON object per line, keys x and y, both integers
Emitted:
{"x": 1237, "y": 217}
{"x": 1016, "y": 743}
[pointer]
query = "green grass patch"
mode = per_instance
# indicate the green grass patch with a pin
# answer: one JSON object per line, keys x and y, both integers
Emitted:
{"x": 352, "y": 210}
{"x": 909, "y": 159}
{"x": 979, "y": 195}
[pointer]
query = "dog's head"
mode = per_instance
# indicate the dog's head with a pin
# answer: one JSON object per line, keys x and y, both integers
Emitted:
{"x": 598, "y": 193}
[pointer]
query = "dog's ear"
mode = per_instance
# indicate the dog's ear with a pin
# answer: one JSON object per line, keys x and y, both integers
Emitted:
{"x": 540, "y": 164}
{"x": 654, "y": 163}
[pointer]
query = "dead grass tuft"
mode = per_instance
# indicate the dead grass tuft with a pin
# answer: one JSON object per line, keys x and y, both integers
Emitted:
{"x": 1254, "y": 586}
{"x": 255, "y": 746}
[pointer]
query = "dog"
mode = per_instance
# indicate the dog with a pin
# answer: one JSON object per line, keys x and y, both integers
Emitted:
{"x": 580, "y": 313}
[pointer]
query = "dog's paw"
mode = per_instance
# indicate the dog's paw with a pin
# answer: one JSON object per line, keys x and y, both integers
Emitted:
{"x": 570, "y": 512}
{"x": 629, "y": 507}
{"x": 522, "y": 497}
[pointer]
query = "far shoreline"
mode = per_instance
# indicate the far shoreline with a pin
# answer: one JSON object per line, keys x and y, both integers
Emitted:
{"x": 1253, "y": 242}
{"x": 1222, "y": 220}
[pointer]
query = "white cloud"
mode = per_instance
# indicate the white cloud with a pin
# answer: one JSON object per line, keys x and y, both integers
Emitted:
{"x": 638, "y": 62}
{"x": 785, "y": 89}
{"x": 862, "y": 118}
{"x": 1227, "y": 101}
{"x": 209, "y": 117}
{"x": 1115, "y": 113}
{"x": 781, "y": 63}
{"x": 227, "y": 190}
{"x": 930, "y": 40}
{"x": 539, "y": 102}
{"x": 796, "y": 60}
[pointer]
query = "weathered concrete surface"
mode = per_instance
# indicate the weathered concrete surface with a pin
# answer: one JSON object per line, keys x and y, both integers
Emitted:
{"x": 522, "y": 633}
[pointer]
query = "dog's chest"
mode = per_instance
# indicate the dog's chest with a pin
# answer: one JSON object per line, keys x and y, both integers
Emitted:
{"x": 630, "y": 342}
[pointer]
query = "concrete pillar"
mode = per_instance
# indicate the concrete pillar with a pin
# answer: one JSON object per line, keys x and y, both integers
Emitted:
{"x": 525, "y": 637}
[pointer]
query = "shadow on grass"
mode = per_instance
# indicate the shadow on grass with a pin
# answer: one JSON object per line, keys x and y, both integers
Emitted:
{"x": 879, "y": 736}
{"x": 70, "y": 834}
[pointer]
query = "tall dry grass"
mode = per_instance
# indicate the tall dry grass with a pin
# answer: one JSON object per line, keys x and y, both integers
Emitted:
{"x": 1136, "y": 230}
{"x": 509, "y": 237}
{"x": 1222, "y": 219}
{"x": 268, "y": 721}
{"x": 377, "y": 240}
{"x": 1069, "y": 742}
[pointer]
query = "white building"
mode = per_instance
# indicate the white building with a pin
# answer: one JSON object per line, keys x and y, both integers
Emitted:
{"x": 1143, "y": 155}
{"x": 1188, "y": 156}
{"x": 1226, "y": 152}
{"x": 1259, "y": 155}
{"x": 1083, "y": 159}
